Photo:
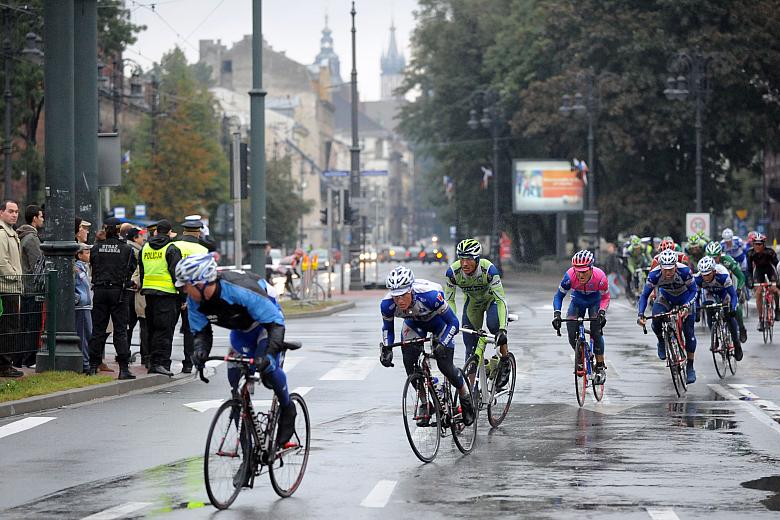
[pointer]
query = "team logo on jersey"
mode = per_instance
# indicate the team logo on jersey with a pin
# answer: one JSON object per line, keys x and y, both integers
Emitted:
{"x": 440, "y": 297}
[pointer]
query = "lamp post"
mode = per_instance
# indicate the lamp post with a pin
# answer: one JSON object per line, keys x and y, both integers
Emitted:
{"x": 354, "y": 174}
{"x": 32, "y": 52}
{"x": 492, "y": 119}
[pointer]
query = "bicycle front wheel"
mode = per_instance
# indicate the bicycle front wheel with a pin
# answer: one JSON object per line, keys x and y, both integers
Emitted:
{"x": 471, "y": 369}
{"x": 290, "y": 460}
{"x": 464, "y": 435}
{"x": 598, "y": 390}
{"x": 719, "y": 351}
{"x": 422, "y": 417}
{"x": 228, "y": 458}
{"x": 580, "y": 373}
{"x": 732, "y": 361}
{"x": 673, "y": 361}
{"x": 501, "y": 397}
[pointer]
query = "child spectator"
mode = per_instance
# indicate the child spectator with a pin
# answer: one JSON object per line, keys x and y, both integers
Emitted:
{"x": 83, "y": 303}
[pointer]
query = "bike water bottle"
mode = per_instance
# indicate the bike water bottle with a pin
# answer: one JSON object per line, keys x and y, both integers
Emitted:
{"x": 439, "y": 388}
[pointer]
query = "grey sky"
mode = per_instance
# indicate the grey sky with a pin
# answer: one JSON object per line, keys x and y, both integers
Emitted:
{"x": 293, "y": 26}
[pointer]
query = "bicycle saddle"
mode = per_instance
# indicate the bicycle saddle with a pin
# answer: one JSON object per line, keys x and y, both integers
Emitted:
{"x": 292, "y": 345}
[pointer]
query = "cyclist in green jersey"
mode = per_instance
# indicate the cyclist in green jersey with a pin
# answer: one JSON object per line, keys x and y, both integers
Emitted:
{"x": 480, "y": 282}
{"x": 695, "y": 250}
{"x": 715, "y": 250}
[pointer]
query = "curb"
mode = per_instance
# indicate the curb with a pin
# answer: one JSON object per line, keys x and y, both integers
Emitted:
{"x": 81, "y": 395}
{"x": 324, "y": 312}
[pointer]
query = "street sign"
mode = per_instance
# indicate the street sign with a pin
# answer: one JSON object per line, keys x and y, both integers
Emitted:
{"x": 697, "y": 222}
{"x": 119, "y": 212}
{"x": 335, "y": 173}
{"x": 140, "y": 211}
{"x": 373, "y": 173}
{"x": 742, "y": 214}
{"x": 590, "y": 222}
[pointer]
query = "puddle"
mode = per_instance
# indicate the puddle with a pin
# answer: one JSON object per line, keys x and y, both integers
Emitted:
{"x": 690, "y": 415}
{"x": 767, "y": 484}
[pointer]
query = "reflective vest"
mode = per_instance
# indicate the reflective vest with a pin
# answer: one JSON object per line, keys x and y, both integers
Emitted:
{"x": 190, "y": 248}
{"x": 156, "y": 275}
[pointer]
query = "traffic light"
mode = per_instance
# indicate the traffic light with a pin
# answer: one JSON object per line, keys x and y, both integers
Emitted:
{"x": 350, "y": 215}
{"x": 324, "y": 217}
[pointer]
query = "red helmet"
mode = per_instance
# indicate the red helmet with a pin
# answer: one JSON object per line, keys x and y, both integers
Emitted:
{"x": 752, "y": 236}
{"x": 298, "y": 252}
{"x": 582, "y": 260}
{"x": 666, "y": 244}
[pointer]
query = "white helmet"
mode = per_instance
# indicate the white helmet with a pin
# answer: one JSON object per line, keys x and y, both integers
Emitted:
{"x": 727, "y": 234}
{"x": 668, "y": 259}
{"x": 706, "y": 265}
{"x": 196, "y": 269}
{"x": 400, "y": 281}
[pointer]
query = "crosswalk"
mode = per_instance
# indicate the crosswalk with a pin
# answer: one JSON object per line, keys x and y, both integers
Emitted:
{"x": 23, "y": 425}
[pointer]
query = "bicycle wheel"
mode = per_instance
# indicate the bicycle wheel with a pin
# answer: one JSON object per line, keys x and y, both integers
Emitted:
{"x": 672, "y": 360}
{"x": 719, "y": 350}
{"x": 501, "y": 398}
{"x": 580, "y": 373}
{"x": 472, "y": 372}
{"x": 732, "y": 361}
{"x": 424, "y": 439}
{"x": 598, "y": 390}
{"x": 290, "y": 460}
{"x": 228, "y": 457}
{"x": 763, "y": 318}
{"x": 464, "y": 435}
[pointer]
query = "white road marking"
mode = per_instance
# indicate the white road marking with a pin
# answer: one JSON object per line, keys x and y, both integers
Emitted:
{"x": 22, "y": 425}
{"x": 380, "y": 495}
{"x": 765, "y": 411}
{"x": 356, "y": 315}
{"x": 202, "y": 406}
{"x": 291, "y": 362}
{"x": 622, "y": 305}
{"x": 546, "y": 307}
{"x": 214, "y": 363}
{"x": 351, "y": 369}
{"x": 662, "y": 513}
{"x": 302, "y": 390}
{"x": 119, "y": 511}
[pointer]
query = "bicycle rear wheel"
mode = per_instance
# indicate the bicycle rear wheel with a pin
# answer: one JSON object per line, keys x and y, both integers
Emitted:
{"x": 501, "y": 398}
{"x": 719, "y": 351}
{"x": 290, "y": 460}
{"x": 763, "y": 318}
{"x": 580, "y": 373}
{"x": 673, "y": 361}
{"x": 598, "y": 390}
{"x": 424, "y": 439}
{"x": 464, "y": 435}
{"x": 732, "y": 361}
{"x": 228, "y": 458}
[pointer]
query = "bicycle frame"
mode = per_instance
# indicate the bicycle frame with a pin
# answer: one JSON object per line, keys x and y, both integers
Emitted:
{"x": 423, "y": 362}
{"x": 485, "y": 338}
{"x": 583, "y": 339}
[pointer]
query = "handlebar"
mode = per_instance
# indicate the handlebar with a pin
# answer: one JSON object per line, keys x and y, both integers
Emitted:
{"x": 480, "y": 333}
{"x": 578, "y": 320}
{"x": 227, "y": 358}
{"x": 417, "y": 341}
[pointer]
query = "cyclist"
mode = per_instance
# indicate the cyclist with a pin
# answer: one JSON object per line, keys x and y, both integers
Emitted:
{"x": 714, "y": 279}
{"x": 422, "y": 306}
{"x": 715, "y": 251}
{"x": 695, "y": 250}
{"x": 242, "y": 302}
{"x": 479, "y": 280}
{"x": 638, "y": 256}
{"x": 288, "y": 266}
{"x": 590, "y": 292}
{"x": 676, "y": 287}
{"x": 762, "y": 264}
{"x": 668, "y": 243}
{"x": 734, "y": 247}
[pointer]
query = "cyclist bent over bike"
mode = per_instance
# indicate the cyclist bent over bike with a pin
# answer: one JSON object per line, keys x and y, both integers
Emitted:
{"x": 715, "y": 280}
{"x": 421, "y": 304}
{"x": 243, "y": 303}
{"x": 762, "y": 262}
{"x": 590, "y": 292}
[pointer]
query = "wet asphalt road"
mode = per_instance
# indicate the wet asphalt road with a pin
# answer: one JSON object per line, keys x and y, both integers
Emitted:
{"x": 641, "y": 453}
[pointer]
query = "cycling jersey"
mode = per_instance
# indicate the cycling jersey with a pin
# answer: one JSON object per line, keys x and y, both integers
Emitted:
{"x": 681, "y": 258}
{"x": 734, "y": 268}
{"x": 428, "y": 310}
{"x": 482, "y": 288}
{"x": 762, "y": 265}
{"x": 679, "y": 289}
{"x": 720, "y": 286}
{"x": 595, "y": 290}
{"x": 737, "y": 250}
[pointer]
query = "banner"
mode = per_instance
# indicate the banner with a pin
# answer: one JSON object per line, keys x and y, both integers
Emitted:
{"x": 545, "y": 187}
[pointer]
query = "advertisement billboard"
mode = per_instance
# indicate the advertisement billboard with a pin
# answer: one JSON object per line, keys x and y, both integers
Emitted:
{"x": 545, "y": 187}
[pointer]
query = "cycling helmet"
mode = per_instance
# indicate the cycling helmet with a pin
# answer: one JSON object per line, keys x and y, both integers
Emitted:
{"x": 694, "y": 241}
{"x": 400, "y": 281}
{"x": 196, "y": 269}
{"x": 669, "y": 237}
{"x": 634, "y": 240}
{"x": 299, "y": 252}
{"x": 582, "y": 260}
{"x": 666, "y": 244}
{"x": 668, "y": 259}
{"x": 760, "y": 237}
{"x": 469, "y": 248}
{"x": 751, "y": 236}
{"x": 706, "y": 265}
{"x": 727, "y": 234}
{"x": 713, "y": 249}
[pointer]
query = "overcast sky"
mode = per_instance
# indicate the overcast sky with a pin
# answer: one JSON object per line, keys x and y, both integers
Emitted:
{"x": 293, "y": 26}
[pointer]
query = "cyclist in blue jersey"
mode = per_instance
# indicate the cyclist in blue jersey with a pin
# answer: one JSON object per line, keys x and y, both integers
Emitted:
{"x": 245, "y": 304}
{"x": 715, "y": 280}
{"x": 676, "y": 288}
{"x": 424, "y": 310}
{"x": 735, "y": 247}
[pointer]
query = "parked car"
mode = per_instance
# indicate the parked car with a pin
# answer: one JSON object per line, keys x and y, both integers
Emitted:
{"x": 435, "y": 255}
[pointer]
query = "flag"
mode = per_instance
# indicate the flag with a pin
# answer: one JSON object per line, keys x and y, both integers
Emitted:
{"x": 581, "y": 167}
{"x": 487, "y": 173}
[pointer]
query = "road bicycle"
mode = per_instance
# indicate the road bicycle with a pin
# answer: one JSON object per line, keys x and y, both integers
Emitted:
{"x": 767, "y": 316}
{"x": 489, "y": 390}
{"x": 426, "y": 425}
{"x": 721, "y": 342}
{"x": 295, "y": 288}
{"x": 637, "y": 284}
{"x": 674, "y": 345}
{"x": 241, "y": 442}
{"x": 744, "y": 297}
{"x": 584, "y": 361}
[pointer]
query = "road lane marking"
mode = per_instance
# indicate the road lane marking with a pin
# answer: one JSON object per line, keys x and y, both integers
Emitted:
{"x": 662, "y": 513}
{"x": 202, "y": 406}
{"x": 302, "y": 390}
{"x": 119, "y": 511}
{"x": 765, "y": 411}
{"x": 380, "y": 495}
{"x": 291, "y": 362}
{"x": 351, "y": 369}
{"x": 356, "y": 315}
{"x": 22, "y": 425}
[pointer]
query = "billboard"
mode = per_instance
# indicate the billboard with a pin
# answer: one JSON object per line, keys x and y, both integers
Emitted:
{"x": 545, "y": 187}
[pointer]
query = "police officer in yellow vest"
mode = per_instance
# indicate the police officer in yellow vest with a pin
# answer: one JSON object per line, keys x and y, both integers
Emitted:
{"x": 189, "y": 244}
{"x": 159, "y": 257}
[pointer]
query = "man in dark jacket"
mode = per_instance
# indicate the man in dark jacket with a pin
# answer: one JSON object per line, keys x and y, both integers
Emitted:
{"x": 159, "y": 257}
{"x": 30, "y": 308}
{"x": 28, "y": 236}
{"x": 113, "y": 263}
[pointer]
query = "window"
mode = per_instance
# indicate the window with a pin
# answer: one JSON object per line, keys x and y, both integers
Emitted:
{"x": 227, "y": 66}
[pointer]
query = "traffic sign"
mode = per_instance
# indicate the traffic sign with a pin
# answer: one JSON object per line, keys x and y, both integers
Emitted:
{"x": 697, "y": 222}
{"x": 373, "y": 173}
{"x": 119, "y": 212}
{"x": 335, "y": 173}
{"x": 140, "y": 211}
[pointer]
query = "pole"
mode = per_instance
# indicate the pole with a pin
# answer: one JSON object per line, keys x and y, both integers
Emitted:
{"x": 697, "y": 86}
{"x": 86, "y": 106}
{"x": 331, "y": 217}
{"x": 300, "y": 189}
{"x": 494, "y": 241}
{"x": 257, "y": 139}
{"x": 238, "y": 253}
{"x": 354, "y": 174}
{"x": 60, "y": 245}
{"x": 7, "y": 98}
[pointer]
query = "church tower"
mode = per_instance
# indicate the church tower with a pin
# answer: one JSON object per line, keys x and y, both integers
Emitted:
{"x": 327, "y": 57}
{"x": 393, "y": 65}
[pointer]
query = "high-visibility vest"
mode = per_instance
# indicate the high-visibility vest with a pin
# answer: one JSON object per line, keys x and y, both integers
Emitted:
{"x": 190, "y": 248}
{"x": 305, "y": 263}
{"x": 156, "y": 275}
{"x": 315, "y": 260}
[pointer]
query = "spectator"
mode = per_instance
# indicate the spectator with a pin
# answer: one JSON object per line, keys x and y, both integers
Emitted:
{"x": 124, "y": 229}
{"x": 135, "y": 239}
{"x": 31, "y": 310}
{"x": 10, "y": 284}
{"x": 82, "y": 230}
{"x": 83, "y": 303}
{"x": 612, "y": 268}
{"x": 30, "y": 239}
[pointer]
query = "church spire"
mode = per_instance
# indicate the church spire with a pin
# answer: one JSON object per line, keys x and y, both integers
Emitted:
{"x": 327, "y": 57}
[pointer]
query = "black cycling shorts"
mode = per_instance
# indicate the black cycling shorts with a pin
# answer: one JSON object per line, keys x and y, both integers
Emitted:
{"x": 761, "y": 271}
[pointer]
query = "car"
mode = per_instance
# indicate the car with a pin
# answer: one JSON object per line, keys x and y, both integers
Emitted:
{"x": 396, "y": 254}
{"x": 368, "y": 255}
{"x": 435, "y": 255}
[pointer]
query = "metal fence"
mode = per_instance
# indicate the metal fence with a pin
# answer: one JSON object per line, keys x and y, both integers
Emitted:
{"x": 23, "y": 301}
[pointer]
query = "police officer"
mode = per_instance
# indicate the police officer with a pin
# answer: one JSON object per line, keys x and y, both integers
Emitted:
{"x": 113, "y": 263}
{"x": 159, "y": 257}
{"x": 189, "y": 244}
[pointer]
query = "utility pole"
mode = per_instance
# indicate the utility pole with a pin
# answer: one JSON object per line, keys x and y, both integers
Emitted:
{"x": 235, "y": 181}
{"x": 7, "y": 97}
{"x": 257, "y": 144}
{"x": 354, "y": 175}
{"x": 331, "y": 218}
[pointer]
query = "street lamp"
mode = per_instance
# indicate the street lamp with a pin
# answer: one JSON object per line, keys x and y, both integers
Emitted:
{"x": 493, "y": 120}
{"x": 692, "y": 78}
